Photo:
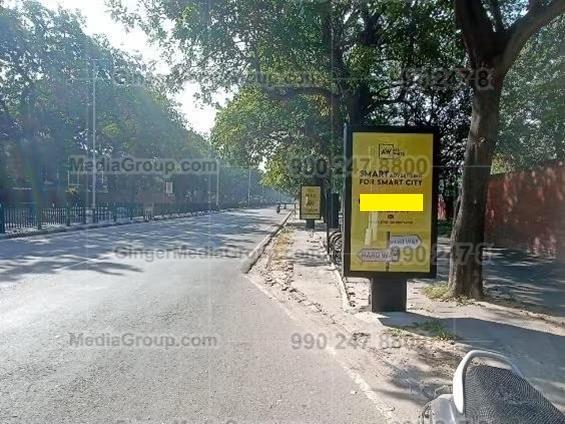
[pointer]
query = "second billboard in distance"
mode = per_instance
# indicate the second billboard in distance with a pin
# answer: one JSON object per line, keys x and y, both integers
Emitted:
{"x": 310, "y": 202}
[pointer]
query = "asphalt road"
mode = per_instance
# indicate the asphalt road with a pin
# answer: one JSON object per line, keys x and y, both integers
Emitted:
{"x": 85, "y": 318}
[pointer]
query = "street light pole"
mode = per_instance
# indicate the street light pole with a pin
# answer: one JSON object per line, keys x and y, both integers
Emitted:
{"x": 248, "y": 185}
{"x": 218, "y": 187}
{"x": 94, "y": 71}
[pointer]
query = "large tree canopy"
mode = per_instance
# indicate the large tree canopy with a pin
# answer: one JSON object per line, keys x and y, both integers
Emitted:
{"x": 351, "y": 54}
{"x": 47, "y": 68}
{"x": 46, "y": 95}
{"x": 533, "y": 103}
{"x": 342, "y": 60}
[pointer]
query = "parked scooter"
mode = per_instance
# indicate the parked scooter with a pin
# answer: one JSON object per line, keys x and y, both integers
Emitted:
{"x": 485, "y": 394}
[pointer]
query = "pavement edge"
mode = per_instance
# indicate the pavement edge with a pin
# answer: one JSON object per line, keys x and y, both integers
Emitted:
{"x": 341, "y": 280}
{"x": 256, "y": 253}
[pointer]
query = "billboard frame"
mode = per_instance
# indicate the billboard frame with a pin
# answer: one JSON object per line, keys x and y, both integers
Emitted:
{"x": 348, "y": 152}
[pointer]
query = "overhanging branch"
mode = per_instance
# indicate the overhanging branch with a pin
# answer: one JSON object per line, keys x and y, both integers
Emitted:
{"x": 283, "y": 93}
{"x": 495, "y": 9}
{"x": 528, "y": 25}
{"x": 478, "y": 34}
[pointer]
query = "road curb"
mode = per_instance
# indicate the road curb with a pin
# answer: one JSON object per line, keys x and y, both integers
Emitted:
{"x": 256, "y": 253}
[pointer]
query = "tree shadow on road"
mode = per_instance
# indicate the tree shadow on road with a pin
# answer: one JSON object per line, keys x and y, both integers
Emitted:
{"x": 107, "y": 250}
{"x": 517, "y": 279}
{"x": 539, "y": 354}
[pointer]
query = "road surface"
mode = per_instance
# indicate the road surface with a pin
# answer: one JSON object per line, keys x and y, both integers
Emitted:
{"x": 154, "y": 323}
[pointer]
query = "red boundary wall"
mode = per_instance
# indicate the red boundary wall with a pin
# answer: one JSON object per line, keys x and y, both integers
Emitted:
{"x": 526, "y": 210}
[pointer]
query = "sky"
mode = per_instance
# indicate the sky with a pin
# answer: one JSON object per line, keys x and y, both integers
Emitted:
{"x": 99, "y": 21}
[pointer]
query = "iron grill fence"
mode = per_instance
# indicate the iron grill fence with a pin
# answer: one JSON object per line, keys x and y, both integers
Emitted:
{"x": 20, "y": 218}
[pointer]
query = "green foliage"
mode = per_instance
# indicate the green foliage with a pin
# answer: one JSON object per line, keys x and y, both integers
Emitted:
{"x": 303, "y": 68}
{"x": 444, "y": 228}
{"x": 353, "y": 54}
{"x": 254, "y": 129}
{"x": 533, "y": 104}
{"x": 48, "y": 65}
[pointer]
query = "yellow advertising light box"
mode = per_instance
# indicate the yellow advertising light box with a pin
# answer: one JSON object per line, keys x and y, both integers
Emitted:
{"x": 391, "y": 195}
{"x": 310, "y": 202}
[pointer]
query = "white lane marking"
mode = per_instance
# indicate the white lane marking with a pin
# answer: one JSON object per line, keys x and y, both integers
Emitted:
{"x": 364, "y": 387}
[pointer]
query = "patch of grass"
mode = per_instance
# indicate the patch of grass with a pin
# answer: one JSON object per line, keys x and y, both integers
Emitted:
{"x": 440, "y": 292}
{"x": 444, "y": 228}
{"x": 434, "y": 329}
{"x": 437, "y": 291}
{"x": 398, "y": 332}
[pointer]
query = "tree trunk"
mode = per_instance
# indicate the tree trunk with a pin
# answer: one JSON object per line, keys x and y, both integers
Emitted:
{"x": 358, "y": 105}
{"x": 449, "y": 201}
{"x": 465, "y": 270}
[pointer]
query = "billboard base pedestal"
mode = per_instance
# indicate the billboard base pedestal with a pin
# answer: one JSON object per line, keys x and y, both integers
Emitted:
{"x": 388, "y": 294}
{"x": 310, "y": 224}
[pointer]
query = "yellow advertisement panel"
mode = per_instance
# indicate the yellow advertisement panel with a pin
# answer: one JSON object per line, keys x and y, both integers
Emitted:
{"x": 391, "y": 202}
{"x": 310, "y": 202}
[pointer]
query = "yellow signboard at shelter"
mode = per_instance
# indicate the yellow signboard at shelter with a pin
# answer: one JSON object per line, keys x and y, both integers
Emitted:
{"x": 391, "y": 202}
{"x": 310, "y": 202}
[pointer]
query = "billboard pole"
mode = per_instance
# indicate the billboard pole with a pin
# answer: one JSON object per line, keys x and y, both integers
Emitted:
{"x": 388, "y": 294}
